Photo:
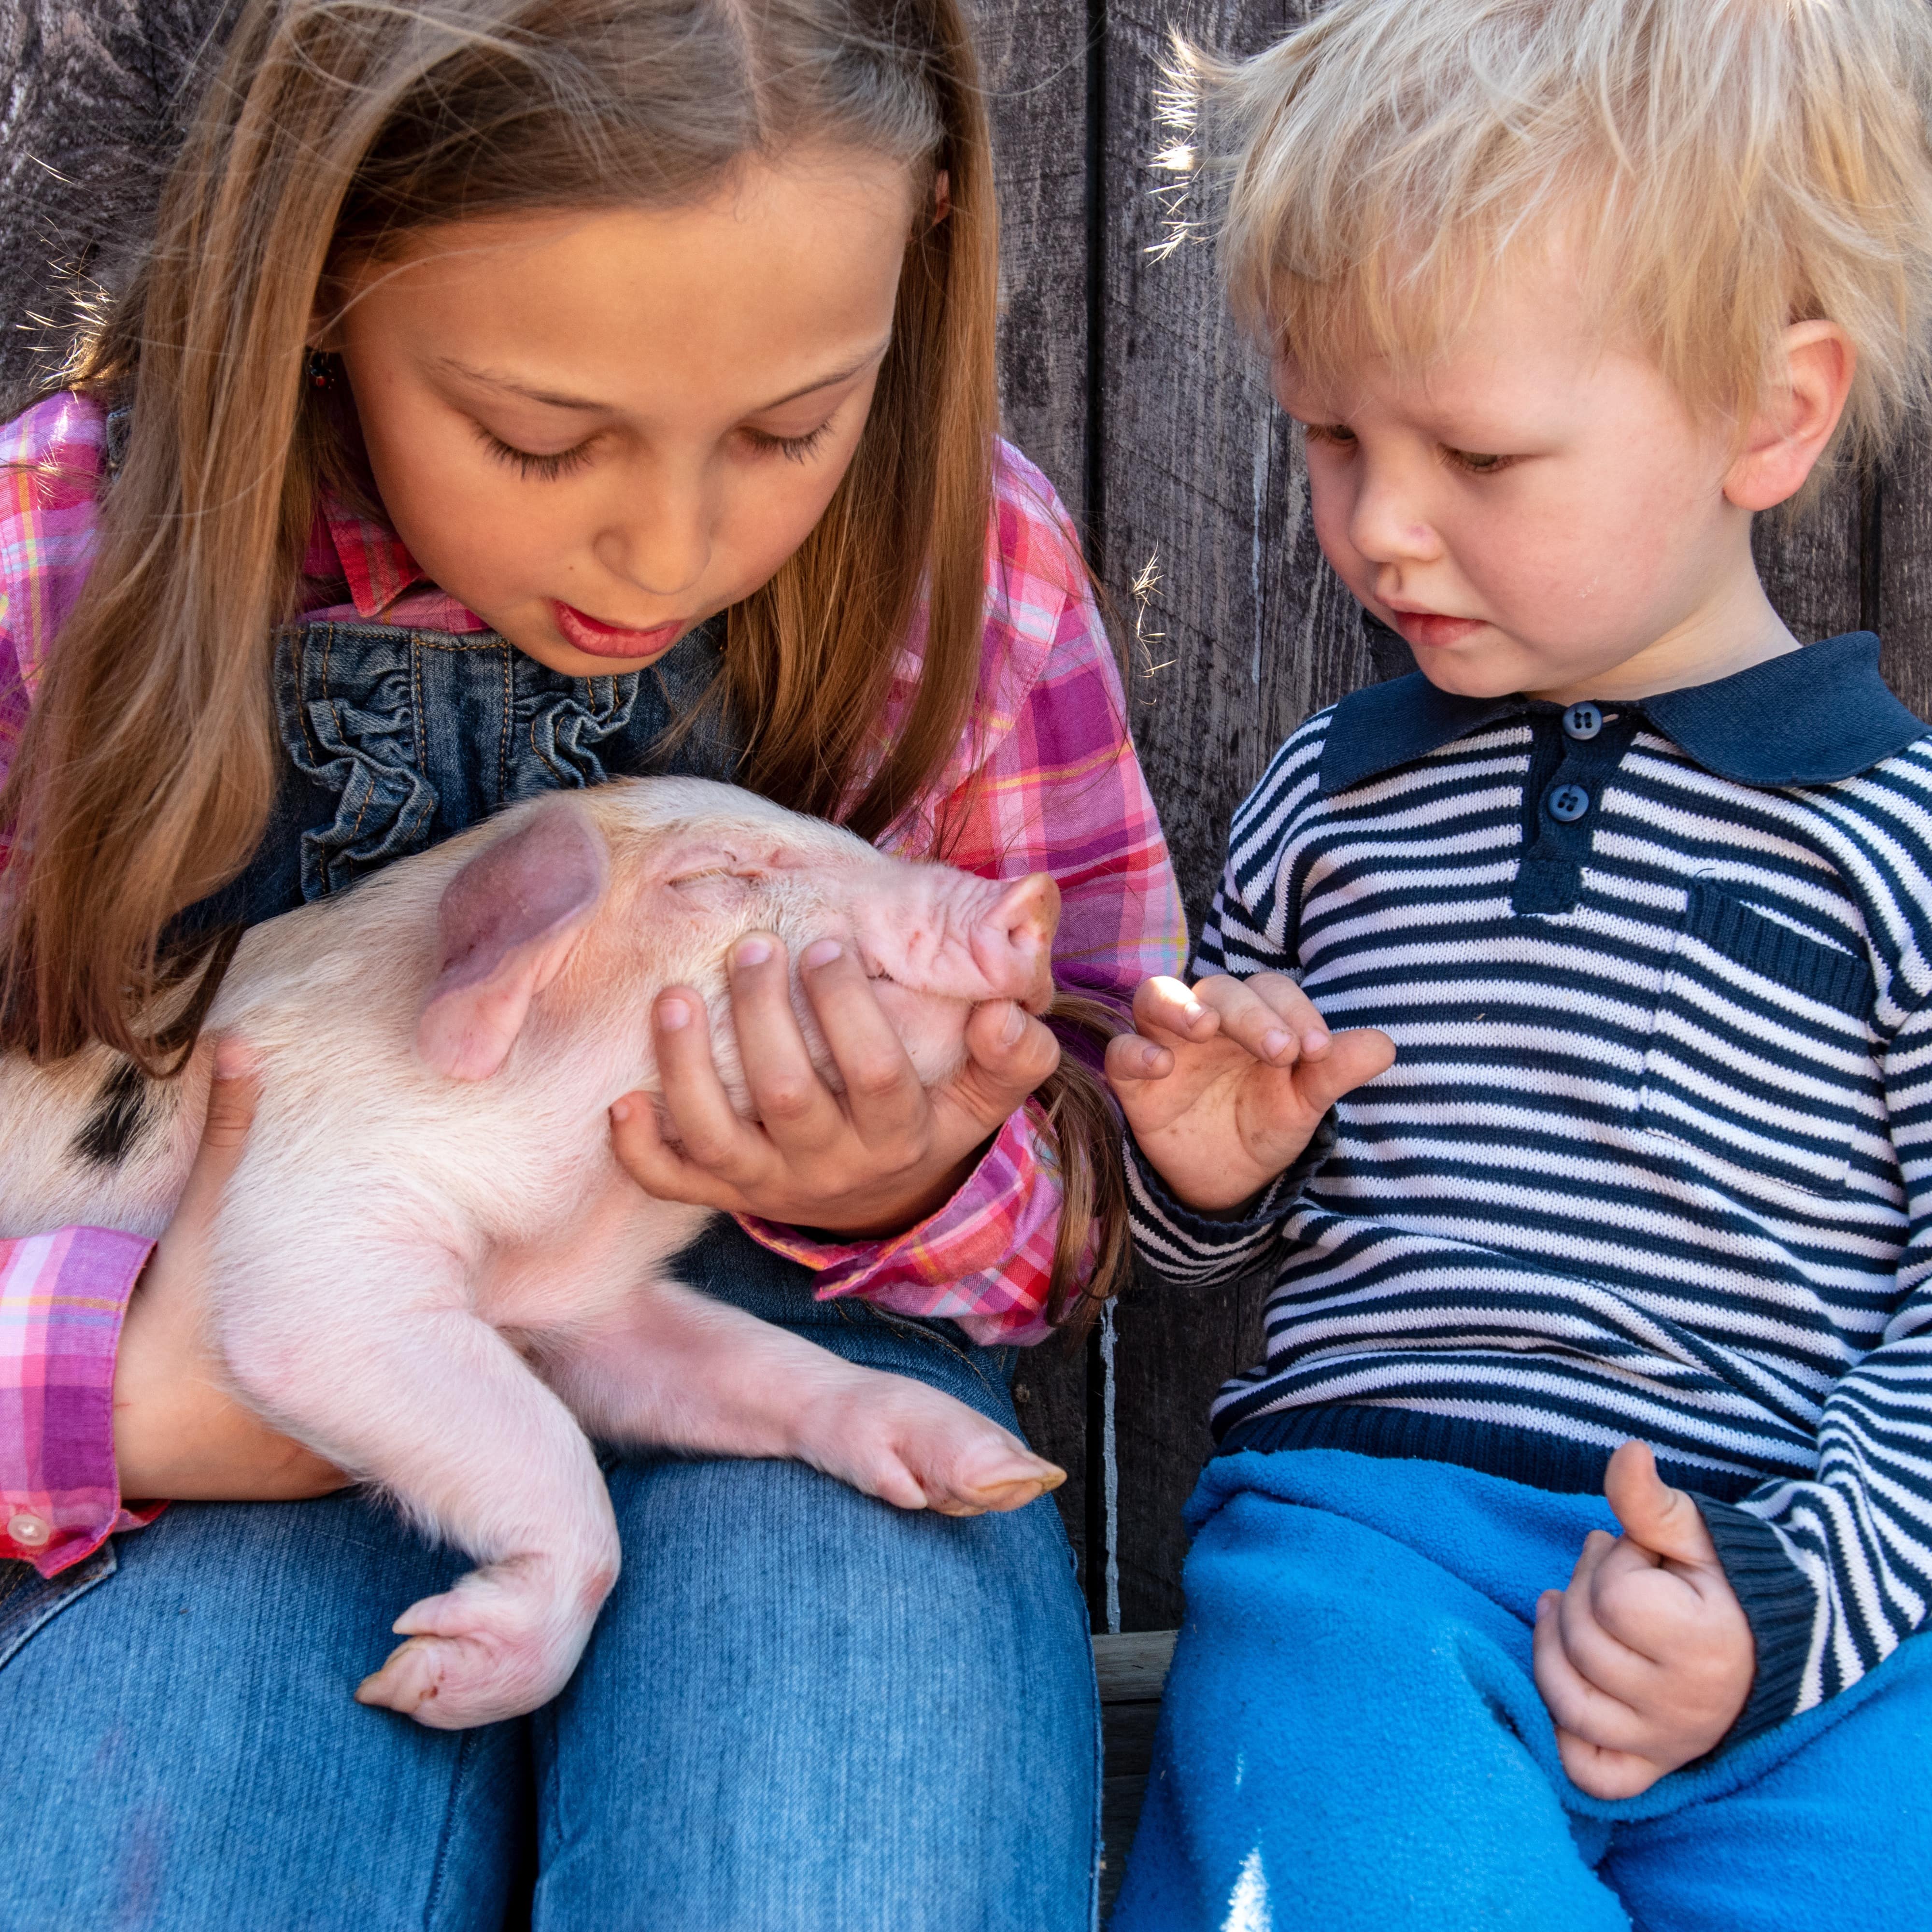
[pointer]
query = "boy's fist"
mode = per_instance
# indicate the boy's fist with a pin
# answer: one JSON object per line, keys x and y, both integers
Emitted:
{"x": 1646, "y": 1659}
{"x": 1225, "y": 1085}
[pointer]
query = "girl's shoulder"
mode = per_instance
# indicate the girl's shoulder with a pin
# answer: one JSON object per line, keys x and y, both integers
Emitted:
{"x": 1043, "y": 623}
{"x": 1037, "y": 568}
{"x": 52, "y": 460}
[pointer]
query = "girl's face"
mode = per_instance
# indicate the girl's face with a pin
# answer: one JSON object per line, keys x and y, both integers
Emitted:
{"x": 596, "y": 428}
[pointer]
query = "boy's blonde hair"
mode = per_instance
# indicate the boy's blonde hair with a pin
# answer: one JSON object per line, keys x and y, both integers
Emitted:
{"x": 1720, "y": 168}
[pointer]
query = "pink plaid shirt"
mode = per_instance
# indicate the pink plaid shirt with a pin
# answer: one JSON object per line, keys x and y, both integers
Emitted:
{"x": 1043, "y": 780}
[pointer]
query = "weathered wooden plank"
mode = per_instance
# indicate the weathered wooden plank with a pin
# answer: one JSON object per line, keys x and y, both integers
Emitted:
{"x": 1131, "y": 1669}
{"x": 1903, "y": 569}
{"x": 1810, "y": 560}
{"x": 1241, "y": 631}
{"x": 92, "y": 113}
{"x": 1034, "y": 60}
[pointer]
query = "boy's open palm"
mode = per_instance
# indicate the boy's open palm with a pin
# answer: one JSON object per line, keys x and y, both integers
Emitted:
{"x": 1646, "y": 1659}
{"x": 1225, "y": 1085}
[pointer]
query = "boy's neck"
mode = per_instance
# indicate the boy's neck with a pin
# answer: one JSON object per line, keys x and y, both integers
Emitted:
{"x": 1728, "y": 634}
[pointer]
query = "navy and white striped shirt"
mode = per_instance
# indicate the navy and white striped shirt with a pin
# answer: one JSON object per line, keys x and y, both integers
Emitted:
{"x": 1655, "y": 1156}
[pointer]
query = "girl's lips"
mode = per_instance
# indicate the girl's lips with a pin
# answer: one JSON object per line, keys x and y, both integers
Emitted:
{"x": 611, "y": 641}
{"x": 1430, "y": 629}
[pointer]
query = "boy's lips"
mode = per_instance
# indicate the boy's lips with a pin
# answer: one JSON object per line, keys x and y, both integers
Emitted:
{"x": 612, "y": 640}
{"x": 1427, "y": 629}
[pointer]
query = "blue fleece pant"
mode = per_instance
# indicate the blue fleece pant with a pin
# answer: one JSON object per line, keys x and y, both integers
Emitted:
{"x": 1352, "y": 1739}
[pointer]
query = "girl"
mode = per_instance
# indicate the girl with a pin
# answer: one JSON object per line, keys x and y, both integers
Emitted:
{"x": 519, "y": 393}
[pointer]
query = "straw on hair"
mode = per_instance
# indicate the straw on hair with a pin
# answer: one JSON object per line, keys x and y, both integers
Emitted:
{"x": 1721, "y": 168}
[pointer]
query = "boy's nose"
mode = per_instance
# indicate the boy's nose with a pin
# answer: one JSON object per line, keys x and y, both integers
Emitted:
{"x": 1387, "y": 524}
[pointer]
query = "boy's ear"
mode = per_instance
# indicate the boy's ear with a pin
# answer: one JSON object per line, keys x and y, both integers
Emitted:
{"x": 1784, "y": 440}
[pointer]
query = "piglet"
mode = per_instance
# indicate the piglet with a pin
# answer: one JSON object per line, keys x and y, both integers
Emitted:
{"x": 429, "y": 1267}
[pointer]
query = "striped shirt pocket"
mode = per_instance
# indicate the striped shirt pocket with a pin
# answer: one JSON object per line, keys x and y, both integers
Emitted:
{"x": 1761, "y": 1054}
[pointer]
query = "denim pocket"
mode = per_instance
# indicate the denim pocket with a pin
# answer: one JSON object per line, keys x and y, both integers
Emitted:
{"x": 1761, "y": 1053}
{"x": 28, "y": 1599}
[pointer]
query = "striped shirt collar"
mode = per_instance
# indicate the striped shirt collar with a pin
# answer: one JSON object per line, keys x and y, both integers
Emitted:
{"x": 1810, "y": 717}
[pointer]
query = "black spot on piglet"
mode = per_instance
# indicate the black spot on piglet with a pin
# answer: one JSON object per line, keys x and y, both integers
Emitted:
{"x": 117, "y": 1120}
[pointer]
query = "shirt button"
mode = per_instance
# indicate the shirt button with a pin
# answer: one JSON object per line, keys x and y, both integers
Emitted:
{"x": 29, "y": 1531}
{"x": 1582, "y": 721}
{"x": 1568, "y": 803}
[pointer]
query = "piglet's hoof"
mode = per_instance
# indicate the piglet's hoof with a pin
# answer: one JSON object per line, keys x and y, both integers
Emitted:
{"x": 503, "y": 1643}
{"x": 913, "y": 1446}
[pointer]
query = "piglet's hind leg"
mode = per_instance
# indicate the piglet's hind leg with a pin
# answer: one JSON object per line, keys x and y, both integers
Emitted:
{"x": 684, "y": 1372}
{"x": 444, "y": 1415}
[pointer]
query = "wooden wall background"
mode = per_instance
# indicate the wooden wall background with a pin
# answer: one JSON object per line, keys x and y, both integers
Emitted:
{"x": 1123, "y": 379}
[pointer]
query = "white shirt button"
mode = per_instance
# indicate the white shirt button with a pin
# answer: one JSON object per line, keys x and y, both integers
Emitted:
{"x": 27, "y": 1529}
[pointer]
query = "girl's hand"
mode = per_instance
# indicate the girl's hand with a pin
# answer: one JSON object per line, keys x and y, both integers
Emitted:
{"x": 1646, "y": 1659}
{"x": 868, "y": 1162}
{"x": 178, "y": 1433}
{"x": 1225, "y": 1086}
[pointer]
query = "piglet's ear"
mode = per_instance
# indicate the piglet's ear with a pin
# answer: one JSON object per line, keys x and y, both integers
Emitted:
{"x": 509, "y": 921}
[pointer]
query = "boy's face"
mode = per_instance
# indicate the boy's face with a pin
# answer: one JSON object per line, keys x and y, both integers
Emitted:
{"x": 1539, "y": 513}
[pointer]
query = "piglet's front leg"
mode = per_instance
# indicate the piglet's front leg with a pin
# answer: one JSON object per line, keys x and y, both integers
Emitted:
{"x": 433, "y": 1406}
{"x": 681, "y": 1371}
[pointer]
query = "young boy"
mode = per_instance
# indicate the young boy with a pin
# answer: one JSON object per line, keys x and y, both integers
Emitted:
{"x": 1602, "y": 1236}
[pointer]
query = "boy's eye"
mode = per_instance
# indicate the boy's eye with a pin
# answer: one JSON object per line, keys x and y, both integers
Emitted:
{"x": 543, "y": 469}
{"x": 795, "y": 448}
{"x": 1338, "y": 434}
{"x": 1476, "y": 463}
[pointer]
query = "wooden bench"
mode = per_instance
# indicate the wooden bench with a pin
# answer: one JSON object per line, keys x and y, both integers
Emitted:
{"x": 1132, "y": 1668}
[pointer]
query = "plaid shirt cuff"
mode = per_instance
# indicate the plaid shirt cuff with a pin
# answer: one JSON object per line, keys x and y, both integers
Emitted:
{"x": 62, "y": 1296}
{"x": 984, "y": 1260}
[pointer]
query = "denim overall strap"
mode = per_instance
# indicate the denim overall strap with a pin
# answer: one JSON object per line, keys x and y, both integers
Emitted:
{"x": 399, "y": 739}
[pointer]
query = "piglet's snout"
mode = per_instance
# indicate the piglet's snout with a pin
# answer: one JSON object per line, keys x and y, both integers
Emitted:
{"x": 939, "y": 931}
{"x": 1013, "y": 943}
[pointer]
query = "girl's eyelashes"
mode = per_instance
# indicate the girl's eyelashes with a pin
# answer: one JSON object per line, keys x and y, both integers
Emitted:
{"x": 794, "y": 449}
{"x": 532, "y": 467}
{"x": 1340, "y": 434}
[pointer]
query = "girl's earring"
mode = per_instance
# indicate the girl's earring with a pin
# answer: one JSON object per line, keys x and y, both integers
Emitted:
{"x": 320, "y": 369}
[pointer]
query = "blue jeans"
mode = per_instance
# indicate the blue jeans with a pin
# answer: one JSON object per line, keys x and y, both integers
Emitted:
{"x": 1351, "y": 1739}
{"x": 802, "y": 1709}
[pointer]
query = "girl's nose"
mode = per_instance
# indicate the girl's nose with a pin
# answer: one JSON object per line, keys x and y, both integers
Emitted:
{"x": 661, "y": 544}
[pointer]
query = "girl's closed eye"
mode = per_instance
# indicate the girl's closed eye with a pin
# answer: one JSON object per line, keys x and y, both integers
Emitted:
{"x": 1339, "y": 434}
{"x": 531, "y": 465}
{"x": 794, "y": 449}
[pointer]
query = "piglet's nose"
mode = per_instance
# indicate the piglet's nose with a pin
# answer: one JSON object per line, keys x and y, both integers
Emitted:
{"x": 1013, "y": 943}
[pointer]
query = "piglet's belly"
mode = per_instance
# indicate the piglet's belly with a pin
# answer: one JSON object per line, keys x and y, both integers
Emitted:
{"x": 608, "y": 1249}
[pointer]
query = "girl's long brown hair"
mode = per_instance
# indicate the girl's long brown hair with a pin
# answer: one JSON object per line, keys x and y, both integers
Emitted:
{"x": 333, "y": 130}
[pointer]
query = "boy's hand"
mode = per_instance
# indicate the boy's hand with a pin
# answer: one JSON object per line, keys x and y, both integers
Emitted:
{"x": 1224, "y": 1086}
{"x": 1646, "y": 1659}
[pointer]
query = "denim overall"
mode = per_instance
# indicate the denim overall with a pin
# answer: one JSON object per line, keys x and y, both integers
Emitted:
{"x": 801, "y": 1708}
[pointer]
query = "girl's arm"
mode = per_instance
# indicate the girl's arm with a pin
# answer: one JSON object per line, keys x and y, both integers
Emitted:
{"x": 63, "y": 1294}
{"x": 62, "y": 1298}
{"x": 76, "y": 1386}
{"x": 1048, "y": 783}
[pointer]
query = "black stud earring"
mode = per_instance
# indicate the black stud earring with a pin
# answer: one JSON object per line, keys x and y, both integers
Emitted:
{"x": 321, "y": 374}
